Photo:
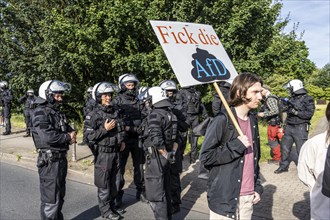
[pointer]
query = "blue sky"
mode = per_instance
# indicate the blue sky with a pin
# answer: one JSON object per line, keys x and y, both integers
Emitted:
{"x": 314, "y": 19}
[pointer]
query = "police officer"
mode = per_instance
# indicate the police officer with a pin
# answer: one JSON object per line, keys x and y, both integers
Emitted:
{"x": 161, "y": 146}
{"x": 52, "y": 136}
{"x": 6, "y": 99}
{"x": 130, "y": 110}
{"x": 195, "y": 107}
{"x": 105, "y": 132}
{"x": 90, "y": 104}
{"x": 217, "y": 105}
{"x": 301, "y": 109}
{"x": 175, "y": 169}
{"x": 29, "y": 99}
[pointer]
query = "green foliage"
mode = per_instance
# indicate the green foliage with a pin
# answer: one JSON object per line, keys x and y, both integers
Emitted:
{"x": 84, "y": 42}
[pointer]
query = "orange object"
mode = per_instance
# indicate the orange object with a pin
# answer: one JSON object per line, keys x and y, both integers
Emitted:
{"x": 280, "y": 133}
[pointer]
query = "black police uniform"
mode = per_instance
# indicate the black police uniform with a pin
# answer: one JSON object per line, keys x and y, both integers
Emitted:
{"x": 130, "y": 111}
{"x": 28, "y": 110}
{"x": 176, "y": 168}
{"x": 217, "y": 105}
{"x": 106, "y": 145}
{"x": 161, "y": 134}
{"x": 301, "y": 110}
{"x": 6, "y": 99}
{"x": 51, "y": 136}
{"x": 194, "y": 107}
{"x": 90, "y": 104}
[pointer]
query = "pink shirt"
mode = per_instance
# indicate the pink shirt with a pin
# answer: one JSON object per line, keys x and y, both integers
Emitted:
{"x": 247, "y": 186}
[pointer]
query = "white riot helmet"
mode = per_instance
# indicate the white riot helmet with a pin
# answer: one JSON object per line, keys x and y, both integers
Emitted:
{"x": 3, "y": 84}
{"x": 102, "y": 88}
{"x": 158, "y": 97}
{"x": 168, "y": 85}
{"x": 294, "y": 85}
{"x": 90, "y": 90}
{"x": 30, "y": 91}
{"x": 125, "y": 78}
{"x": 50, "y": 87}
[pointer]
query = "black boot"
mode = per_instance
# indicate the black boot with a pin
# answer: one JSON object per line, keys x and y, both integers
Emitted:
{"x": 27, "y": 134}
{"x": 6, "y": 133}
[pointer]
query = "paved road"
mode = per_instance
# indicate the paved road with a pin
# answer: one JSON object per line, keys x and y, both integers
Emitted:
{"x": 20, "y": 199}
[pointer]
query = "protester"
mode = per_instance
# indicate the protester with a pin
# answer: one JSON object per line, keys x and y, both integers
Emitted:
{"x": 311, "y": 171}
{"x": 270, "y": 111}
{"x": 233, "y": 160}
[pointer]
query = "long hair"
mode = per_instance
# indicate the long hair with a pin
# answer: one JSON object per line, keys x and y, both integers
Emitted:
{"x": 327, "y": 115}
{"x": 241, "y": 84}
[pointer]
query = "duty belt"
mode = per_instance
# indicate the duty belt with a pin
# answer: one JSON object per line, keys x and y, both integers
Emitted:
{"x": 108, "y": 149}
{"x": 55, "y": 154}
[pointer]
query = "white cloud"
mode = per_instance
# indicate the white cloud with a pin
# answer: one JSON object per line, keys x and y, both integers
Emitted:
{"x": 314, "y": 19}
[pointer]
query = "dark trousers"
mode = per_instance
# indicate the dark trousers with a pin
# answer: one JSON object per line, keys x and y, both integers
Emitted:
{"x": 175, "y": 170}
{"x": 193, "y": 140}
{"x": 7, "y": 115}
{"x": 106, "y": 169}
{"x": 52, "y": 188}
{"x": 158, "y": 187}
{"x": 28, "y": 121}
{"x": 297, "y": 134}
{"x": 138, "y": 160}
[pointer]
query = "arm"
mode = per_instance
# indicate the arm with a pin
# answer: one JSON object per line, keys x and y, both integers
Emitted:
{"x": 212, "y": 152}
{"x": 272, "y": 104}
{"x": 306, "y": 164}
{"x": 216, "y": 105}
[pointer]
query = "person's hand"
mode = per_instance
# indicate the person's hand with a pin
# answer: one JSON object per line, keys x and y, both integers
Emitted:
{"x": 256, "y": 198}
{"x": 293, "y": 111}
{"x": 122, "y": 146}
{"x": 110, "y": 124}
{"x": 261, "y": 114}
{"x": 73, "y": 135}
{"x": 244, "y": 139}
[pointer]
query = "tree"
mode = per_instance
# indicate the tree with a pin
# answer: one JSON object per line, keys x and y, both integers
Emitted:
{"x": 84, "y": 42}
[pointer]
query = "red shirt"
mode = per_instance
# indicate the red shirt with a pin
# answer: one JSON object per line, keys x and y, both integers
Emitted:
{"x": 247, "y": 182}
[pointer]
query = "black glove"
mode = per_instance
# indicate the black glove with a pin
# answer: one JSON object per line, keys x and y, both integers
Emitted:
{"x": 293, "y": 111}
{"x": 170, "y": 157}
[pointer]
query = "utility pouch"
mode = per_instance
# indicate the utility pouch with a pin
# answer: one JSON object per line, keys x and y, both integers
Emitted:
{"x": 100, "y": 175}
{"x": 47, "y": 177}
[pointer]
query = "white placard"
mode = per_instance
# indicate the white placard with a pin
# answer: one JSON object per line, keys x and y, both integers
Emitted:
{"x": 194, "y": 52}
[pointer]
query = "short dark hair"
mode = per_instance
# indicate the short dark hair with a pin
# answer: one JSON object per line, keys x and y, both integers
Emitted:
{"x": 242, "y": 83}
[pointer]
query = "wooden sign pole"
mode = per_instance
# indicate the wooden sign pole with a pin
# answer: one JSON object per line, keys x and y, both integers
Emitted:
{"x": 231, "y": 115}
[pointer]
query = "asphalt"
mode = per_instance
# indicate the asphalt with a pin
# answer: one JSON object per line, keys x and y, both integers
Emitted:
{"x": 284, "y": 197}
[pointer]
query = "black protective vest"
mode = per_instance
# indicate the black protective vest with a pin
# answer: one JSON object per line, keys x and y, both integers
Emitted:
{"x": 50, "y": 129}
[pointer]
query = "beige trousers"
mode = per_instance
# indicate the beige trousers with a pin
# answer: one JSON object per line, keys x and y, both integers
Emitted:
{"x": 243, "y": 212}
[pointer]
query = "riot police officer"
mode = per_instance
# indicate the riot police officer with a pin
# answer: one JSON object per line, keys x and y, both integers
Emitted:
{"x": 89, "y": 106}
{"x": 161, "y": 146}
{"x": 217, "y": 105}
{"x": 195, "y": 107}
{"x": 6, "y": 99}
{"x": 130, "y": 110}
{"x": 104, "y": 132}
{"x": 175, "y": 169}
{"x": 301, "y": 109}
{"x": 52, "y": 136}
{"x": 29, "y": 98}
